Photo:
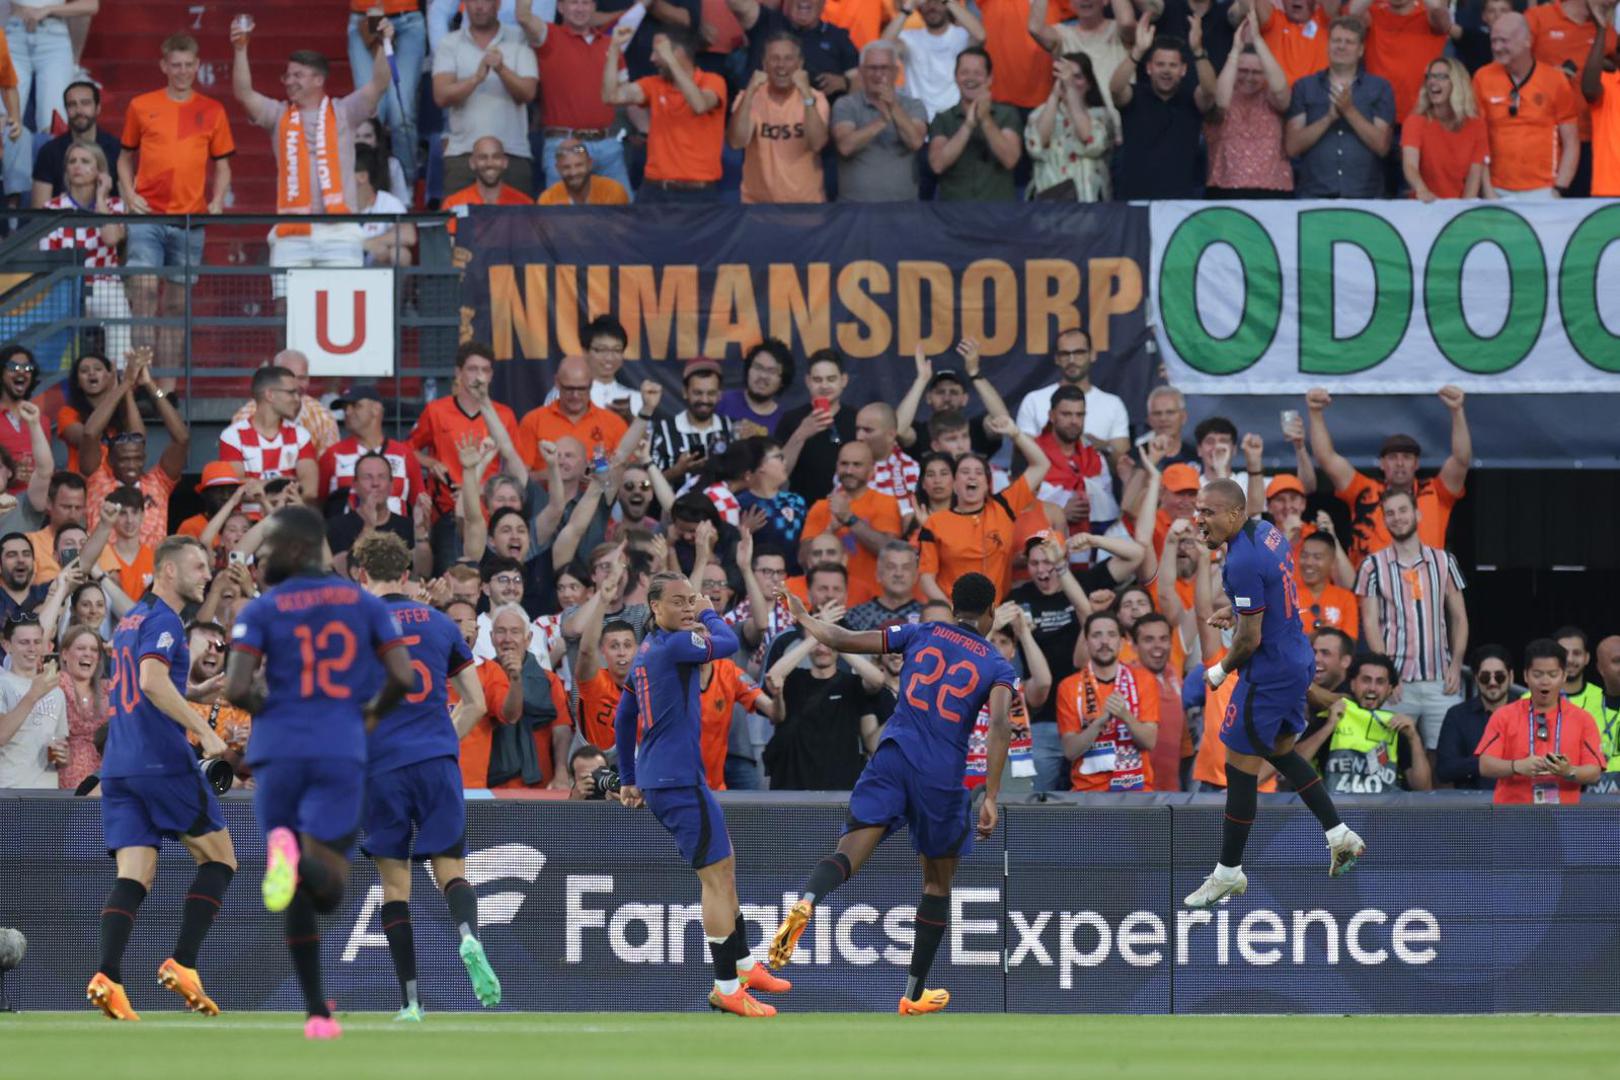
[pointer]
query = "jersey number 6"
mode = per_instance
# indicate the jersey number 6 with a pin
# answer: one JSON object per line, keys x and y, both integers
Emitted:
{"x": 941, "y": 674}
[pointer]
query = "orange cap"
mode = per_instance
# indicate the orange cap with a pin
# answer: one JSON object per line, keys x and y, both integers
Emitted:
{"x": 218, "y": 474}
{"x": 1284, "y": 482}
{"x": 1180, "y": 477}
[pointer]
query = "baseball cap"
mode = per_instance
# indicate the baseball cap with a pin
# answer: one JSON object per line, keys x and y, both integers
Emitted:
{"x": 947, "y": 376}
{"x": 1037, "y": 539}
{"x": 364, "y": 392}
{"x": 1400, "y": 444}
{"x": 1180, "y": 477}
{"x": 1284, "y": 482}
{"x": 697, "y": 366}
{"x": 218, "y": 474}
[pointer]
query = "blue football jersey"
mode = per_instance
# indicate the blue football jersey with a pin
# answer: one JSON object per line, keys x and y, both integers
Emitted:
{"x": 419, "y": 728}
{"x": 321, "y": 638}
{"x": 947, "y": 678}
{"x": 659, "y": 723}
{"x": 141, "y": 739}
{"x": 1258, "y": 574}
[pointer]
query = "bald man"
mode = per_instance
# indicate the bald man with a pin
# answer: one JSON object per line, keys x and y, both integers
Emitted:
{"x": 1607, "y": 714}
{"x": 489, "y": 188}
{"x": 313, "y": 417}
{"x": 579, "y": 185}
{"x": 863, "y": 518}
{"x": 1528, "y": 107}
{"x": 572, "y": 414}
{"x": 894, "y": 472}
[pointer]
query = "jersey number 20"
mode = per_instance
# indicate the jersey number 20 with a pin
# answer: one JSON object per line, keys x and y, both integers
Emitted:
{"x": 940, "y": 673}
{"x": 325, "y": 652}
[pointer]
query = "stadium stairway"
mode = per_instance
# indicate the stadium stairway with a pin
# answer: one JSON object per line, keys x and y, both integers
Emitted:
{"x": 122, "y": 54}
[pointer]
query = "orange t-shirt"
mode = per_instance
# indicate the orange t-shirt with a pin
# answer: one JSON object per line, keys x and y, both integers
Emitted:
{"x": 728, "y": 686}
{"x": 1606, "y": 139}
{"x": 1571, "y": 731}
{"x": 8, "y": 71}
{"x": 1368, "y": 534}
{"x": 475, "y": 745}
{"x": 682, "y": 145}
{"x": 468, "y": 196}
{"x": 954, "y": 543}
{"x": 1444, "y": 155}
{"x": 135, "y": 576}
{"x": 1209, "y": 766}
{"x": 1562, "y": 43}
{"x": 864, "y": 19}
{"x": 1076, "y": 708}
{"x": 598, "y": 701}
{"x": 1334, "y": 606}
{"x": 440, "y": 429}
{"x": 1524, "y": 148}
{"x": 597, "y": 428}
{"x": 390, "y": 7}
{"x": 778, "y": 165}
{"x": 1300, "y": 48}
{"x": 601, "y": 192}
{"x": 1023, "y": 70}
{"x": 1399, "y": 49}
{"x": 881, "y": 512}
{"x": 176, "y": 140}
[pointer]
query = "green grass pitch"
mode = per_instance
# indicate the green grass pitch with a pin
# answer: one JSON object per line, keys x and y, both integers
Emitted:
{"x": 628, "y": 1046}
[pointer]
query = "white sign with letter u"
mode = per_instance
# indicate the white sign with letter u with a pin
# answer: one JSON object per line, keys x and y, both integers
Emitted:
{"x": 343, "y": 320}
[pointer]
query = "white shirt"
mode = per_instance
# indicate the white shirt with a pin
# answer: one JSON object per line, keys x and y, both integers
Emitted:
{"x": 604, "y": 394}
{"x": 1106, "y": 417}
{"x": 490, "y": 110}
{"x": 23, "y": 760}
{"x": 384, "y": 203}
{"x": 484, "y": 648}
{"x": 931, "y": 66}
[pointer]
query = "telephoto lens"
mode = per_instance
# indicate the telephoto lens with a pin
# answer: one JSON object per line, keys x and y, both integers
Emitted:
{"x": 218, "y": 773}
{"x": 606, "y": 779}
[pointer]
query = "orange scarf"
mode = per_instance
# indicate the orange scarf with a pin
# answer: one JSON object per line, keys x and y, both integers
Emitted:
{"x": 296, "y": 184}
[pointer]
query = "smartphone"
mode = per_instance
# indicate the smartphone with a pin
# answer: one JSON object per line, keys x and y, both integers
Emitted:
{"x": 821, "y": 404}
{"x": 236, "y": 558}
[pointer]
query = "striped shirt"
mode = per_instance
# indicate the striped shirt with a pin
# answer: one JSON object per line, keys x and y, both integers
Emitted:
{"x": 897, "y": 476}
{"x": 1412, "y": 607}
{"x": 263, "y": 458}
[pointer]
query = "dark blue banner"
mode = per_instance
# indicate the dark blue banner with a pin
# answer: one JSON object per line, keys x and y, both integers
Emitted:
{"x": 874, "y": 282}
{"x": 1071, "y": 908}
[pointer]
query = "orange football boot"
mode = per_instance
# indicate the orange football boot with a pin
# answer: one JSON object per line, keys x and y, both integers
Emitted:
{"x": 788, "y": 934}
{"x": 762, "y": 979}
{"x": 738, "y": 1003}
{"x": 932, "y": 1001}
{"x": 110, "y": 998}
{"x": 186, "y": 982}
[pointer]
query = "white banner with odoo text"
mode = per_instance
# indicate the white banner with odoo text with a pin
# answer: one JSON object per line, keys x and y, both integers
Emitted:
{"x": 1388, "y": 297}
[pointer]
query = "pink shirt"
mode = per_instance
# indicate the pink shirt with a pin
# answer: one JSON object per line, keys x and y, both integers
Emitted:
{"x": 1246, "y": 147}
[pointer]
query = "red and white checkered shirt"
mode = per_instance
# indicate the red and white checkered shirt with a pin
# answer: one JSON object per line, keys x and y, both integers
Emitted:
{"x": 897, "y": 475}
{"x": 85, "y": 238}
{"x": 337, "y": 471}
{"x": 263, "y": 458}
{"x": 725, "y": 501}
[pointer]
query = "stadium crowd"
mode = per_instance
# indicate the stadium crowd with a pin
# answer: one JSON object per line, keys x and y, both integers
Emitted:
{"x": 538, "y": 535}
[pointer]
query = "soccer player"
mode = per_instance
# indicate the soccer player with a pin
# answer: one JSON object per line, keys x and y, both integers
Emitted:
{"x": 658, "y": 730}
{"x": 1274, "y": 661}
{"x": 915, "y": 777}
{"x": 413, "y": 777}
{"x": 151, "y": 787}
{"x": 324, "y": 643}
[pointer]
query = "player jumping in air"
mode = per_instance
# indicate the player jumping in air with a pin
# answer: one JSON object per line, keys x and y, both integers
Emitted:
{"x": 658, "y": 730}
{"x": 915, "y": 777}
{"x": 413, "y": 778}
{"x": 151, "y": 787}
{"x": 1273, "y": 661}
{"x": 324, "y": 643}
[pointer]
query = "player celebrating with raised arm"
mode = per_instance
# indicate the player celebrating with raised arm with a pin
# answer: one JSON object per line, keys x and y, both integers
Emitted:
{"x": 324, "y": 642}
{"x": 1274, "y": 663}
{"x": 915, "y": 777}
{"x": 413, "y": 774}
{"x": 151, "y": 787}
{"x": 658, "y": 730}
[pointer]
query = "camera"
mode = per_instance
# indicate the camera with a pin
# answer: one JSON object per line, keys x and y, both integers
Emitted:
{"x": 606, "y": 779}
{"x": 219, "y": 774}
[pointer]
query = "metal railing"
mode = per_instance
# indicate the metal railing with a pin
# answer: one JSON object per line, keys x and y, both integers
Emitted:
{"x": 229, "y": 318}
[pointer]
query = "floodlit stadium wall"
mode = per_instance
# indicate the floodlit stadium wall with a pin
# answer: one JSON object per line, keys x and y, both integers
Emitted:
{"x": 1072, "y": 907}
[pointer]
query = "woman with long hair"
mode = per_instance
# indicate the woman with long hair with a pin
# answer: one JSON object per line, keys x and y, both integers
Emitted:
{"x": 80, "y": 651}
{"x": 91, "y": 380}
{"x": 1444, "y": 143}
{"x": 1245, "y": 128}
{"x": 90, "y": 188}
{"x": 375, "y": 135}
{"x": 936, "y": 473}
{"x": 778, "y": 513}
{"x": 1071, "y": 136}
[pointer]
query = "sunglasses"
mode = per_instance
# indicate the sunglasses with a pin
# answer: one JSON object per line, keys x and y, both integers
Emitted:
{"x": 1541, "y": 731}
{"x": 22, "y": 618}
{"x": 21, "y": 365}
{"x": 1513, "y": 102}
{"x": 1492, "y": 677}
{"x": 638, "y": 485}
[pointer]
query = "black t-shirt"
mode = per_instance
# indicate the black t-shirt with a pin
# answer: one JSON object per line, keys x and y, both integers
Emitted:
{"x": 50, "y": 164}
{"x": 818, "y": 747}
{"x": 828, "y": 49}
{"x": 638, "y": 56}
{"x": 1057, "y": 628}
{"x": 344, "y": 529}
{"x": 818, "y": 462}
{"x": 1218, "y": 33}
{"x": 1161, "y": 139}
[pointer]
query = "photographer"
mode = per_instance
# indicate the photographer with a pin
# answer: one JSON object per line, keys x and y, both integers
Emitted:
{"x": 584, "y": 765}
